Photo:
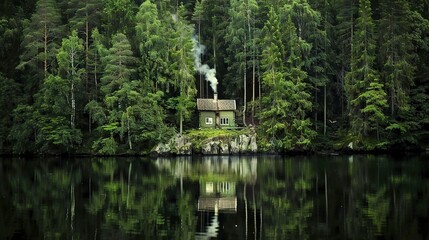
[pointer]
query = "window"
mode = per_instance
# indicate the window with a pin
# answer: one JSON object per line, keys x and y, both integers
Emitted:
{"x": 209, "y": 120}
{"x": 224, "y": 121}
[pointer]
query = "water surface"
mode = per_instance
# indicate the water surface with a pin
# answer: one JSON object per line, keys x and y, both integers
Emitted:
{"x": 318, "y": 197}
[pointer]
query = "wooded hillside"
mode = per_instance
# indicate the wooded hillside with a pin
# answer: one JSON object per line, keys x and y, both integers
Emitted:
{"x": 115, "y": 76}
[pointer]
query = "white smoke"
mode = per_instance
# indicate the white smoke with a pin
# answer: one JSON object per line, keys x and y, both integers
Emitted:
{"x": 204, "y": 69}
{"x": 174, "y": 17}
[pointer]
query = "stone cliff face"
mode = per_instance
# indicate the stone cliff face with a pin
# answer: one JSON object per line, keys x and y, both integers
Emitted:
{"x": 222, "y": 145}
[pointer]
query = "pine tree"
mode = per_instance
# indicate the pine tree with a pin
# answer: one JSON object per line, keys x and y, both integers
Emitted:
{"x": 118, "y": 16}
{"x": 151, "y": 36}
{"x": 116, "y": 87}
{"x": 344, "y": 32}
{"x": 214, "y": 38}
{"x": 9, "y": 97}
{"x": 299, "y": 124}
{"x": 308, "y": 23}
{"x": 240, "y": 42}
{"x": 182, "y": 69}
{"x": 40, "y": 43}
{"x": 198, "y": 17}
{"x": 366, "y": 111}
{"x": 285, "y": 102}
{"x": 396, "y": 53}
{"x": 274, "y": 101}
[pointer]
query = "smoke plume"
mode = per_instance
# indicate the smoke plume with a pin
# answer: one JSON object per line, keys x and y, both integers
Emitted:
{"x": 204, "y": 69}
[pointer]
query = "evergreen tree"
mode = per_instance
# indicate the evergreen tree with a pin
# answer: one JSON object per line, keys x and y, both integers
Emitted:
{"x": 198, "y": 17}
{"x": 396, "y": 53}
{"x": 213, "y": 36}
{"x": 285, "y": 102}
{"x": 118, "y": 16}
{"x": 116, "y": 86}
{"x": 275, "y": 88}
{"x": 182, "y": 68}
{"x": 40, "y": 43}
{"x": 240, "y": 42}
{"x": 299, "y": 124}
{"x": 343, "y": 37}
{"x": 366, "y": 97}
{"x": 314, "y": 53}
{"x": 9, "y": 97}
{"x": 151, "y": 35}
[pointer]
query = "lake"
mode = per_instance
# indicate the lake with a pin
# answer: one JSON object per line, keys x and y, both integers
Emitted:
{"x": 228, "y": 197}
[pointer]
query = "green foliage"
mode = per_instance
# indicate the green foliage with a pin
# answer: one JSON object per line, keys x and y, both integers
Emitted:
{"x": 133, "y": 65}
{"x": 153, "y": 37}
{"x": 9, "y": 90}
{"x": 105, "y": 146}
{"x": 118, "y": 16}
{"x": 182, "y": 68}
{"x": 285, "y": 102}
{"x": 366, "y": 96}
{"x": 40, "y": 43}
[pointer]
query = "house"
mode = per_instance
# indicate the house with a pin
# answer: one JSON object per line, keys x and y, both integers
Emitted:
{"x": 216, "y": 113}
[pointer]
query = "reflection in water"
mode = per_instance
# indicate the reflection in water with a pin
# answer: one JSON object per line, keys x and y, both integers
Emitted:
{"x": 339, "y": 197}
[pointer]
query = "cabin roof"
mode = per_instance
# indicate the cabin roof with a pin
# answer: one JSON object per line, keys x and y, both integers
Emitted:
{"x": 209, "y": 104}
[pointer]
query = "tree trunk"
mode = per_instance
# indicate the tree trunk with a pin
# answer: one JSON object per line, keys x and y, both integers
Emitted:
{"x": 129, "y": 131}
{"x": 201, "y": 55}
{"x": 326, "y": 198}
{"x": 73, "y": 101}
{"x": 87, "y": 62}
{"x": 315, "y": 112}
{"x": 45, "y": 60}
{"x": 181, "y": 123}
{"x": 245, "y": 209}
{"x": 253, "y": 71}
{"x": 244, "y": 80}
{"x": 129, "y": 181}
{"x": 324, "y": 110}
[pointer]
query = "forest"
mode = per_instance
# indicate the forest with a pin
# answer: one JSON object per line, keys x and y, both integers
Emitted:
{"x": 120, "y": 76}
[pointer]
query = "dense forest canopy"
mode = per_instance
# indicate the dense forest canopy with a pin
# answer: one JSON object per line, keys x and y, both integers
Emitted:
{"x": 117, "y": 76}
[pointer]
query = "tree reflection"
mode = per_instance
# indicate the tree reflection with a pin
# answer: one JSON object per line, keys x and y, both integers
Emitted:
{"x": 342, "y": 197}
{"x": 284, "y": 199}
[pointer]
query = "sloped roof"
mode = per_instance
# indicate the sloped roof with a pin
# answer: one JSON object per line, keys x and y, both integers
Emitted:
{"x": 204, "y": 104}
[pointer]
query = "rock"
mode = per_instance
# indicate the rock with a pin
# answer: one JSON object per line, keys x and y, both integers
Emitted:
{"x": 211, "y": 147}
{"x": 234, "y": 146}
{"x": 244, "y": 143}
{"x": 182, "y": 145}
{"x": 186, "y": 149}
{"x": 162, "y": 149}
{"x": 224, "y": 147}
{"x": 253, "y": 146}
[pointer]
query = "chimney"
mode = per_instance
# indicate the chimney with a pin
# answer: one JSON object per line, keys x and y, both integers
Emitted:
{"x": 214, "y": 97}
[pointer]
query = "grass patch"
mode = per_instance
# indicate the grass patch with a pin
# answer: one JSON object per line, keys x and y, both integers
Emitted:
{"x": 211, "y": 133}
{"x": 199, "y": 136}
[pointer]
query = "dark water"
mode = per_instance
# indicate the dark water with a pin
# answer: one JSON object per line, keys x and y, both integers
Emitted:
{"x": 319, "y": 197}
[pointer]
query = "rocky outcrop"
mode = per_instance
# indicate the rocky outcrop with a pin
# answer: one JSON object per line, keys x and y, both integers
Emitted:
{"x": 177, "y": 145}
{"x": 225, "y": 145}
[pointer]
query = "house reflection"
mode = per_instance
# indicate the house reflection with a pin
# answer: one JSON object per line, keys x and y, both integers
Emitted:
{"x": 217, "y": 196}
{"x": 222, "y": 198}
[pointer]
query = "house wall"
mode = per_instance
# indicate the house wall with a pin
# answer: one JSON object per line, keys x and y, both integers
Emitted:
{"x": 227, "y": 114}
{"x": 203, "y": 116}
{"x": 217, "y": 119}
